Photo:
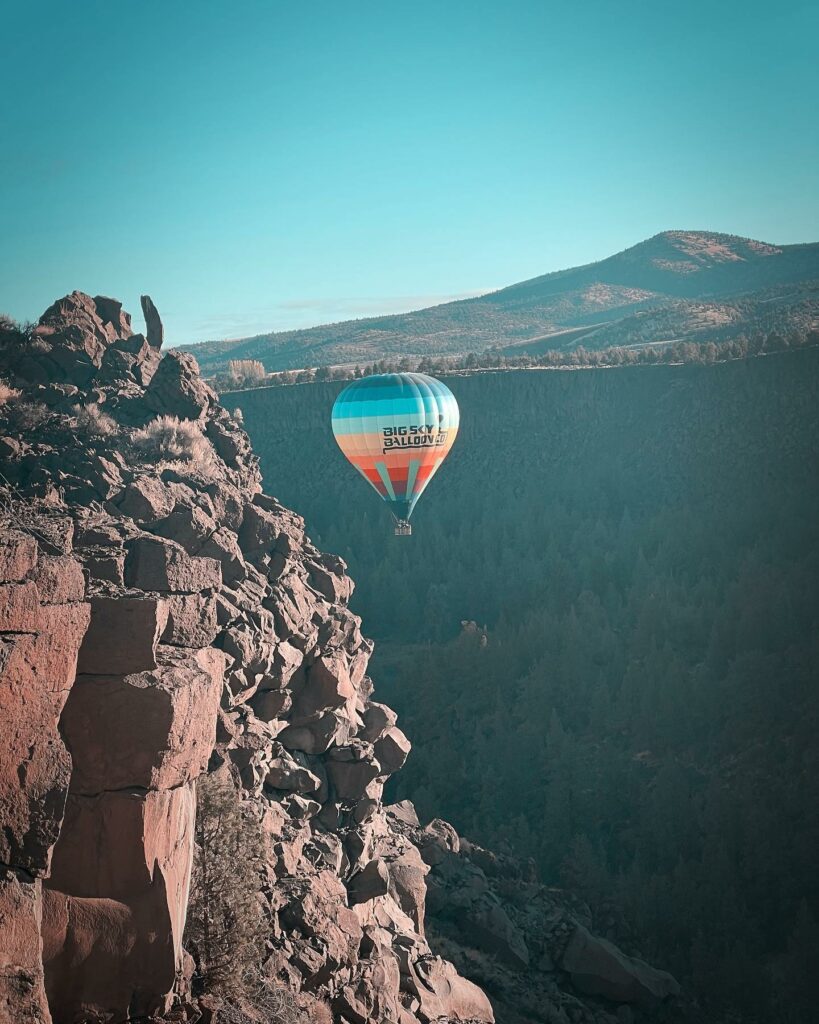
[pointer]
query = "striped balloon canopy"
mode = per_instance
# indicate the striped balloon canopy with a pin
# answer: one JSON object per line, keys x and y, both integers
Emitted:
{"x": 396, "y": 429}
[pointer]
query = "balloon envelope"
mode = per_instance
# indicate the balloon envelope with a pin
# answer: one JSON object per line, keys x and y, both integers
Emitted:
{"x": 396, "y": 429}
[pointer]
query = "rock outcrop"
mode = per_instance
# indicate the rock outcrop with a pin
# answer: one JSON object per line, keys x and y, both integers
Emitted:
{"x": 161, "y": 617}
{"x": 43, "y": 618}
{"x": 529, "y": 945}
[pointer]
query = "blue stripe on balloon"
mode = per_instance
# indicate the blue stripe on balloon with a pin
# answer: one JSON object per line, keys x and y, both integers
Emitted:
{"x": 392, "y": 407}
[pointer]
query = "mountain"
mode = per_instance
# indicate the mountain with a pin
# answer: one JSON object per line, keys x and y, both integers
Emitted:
{"x": 602, "y": 636}
{"x": 676, "y": 285}
{"x": 192, "y": 822}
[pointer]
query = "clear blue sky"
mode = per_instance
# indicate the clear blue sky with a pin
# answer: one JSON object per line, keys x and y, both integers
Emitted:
{"x": 264, "y": 165}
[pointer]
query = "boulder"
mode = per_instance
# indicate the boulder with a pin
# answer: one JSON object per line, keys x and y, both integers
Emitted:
{"x": 316, "y": 737}
{"x": 442, "y": 993}
{"x": 350, "y": 778}
{"x": 175, "y": 705}
{"x": 260, "y": 530}
{"x": 105, "y": 566}
{"x": 137, "y": 623}
{"x": 188, "y": 525}
{"x": 285, "y": 772}
{"x": 146, "y": 499}
{"x": 93, "y": 532}
{"x": 330, "y": 579}
{"x": 286, "y": 662}
{"x": 228, "y": 504}
{"x": 437, "y": 841}
{"x": 137, "y": 357}
{"x": 229, "y": 440}
{"x": 156, "y": 564}
{"x": 111, "y": 313}
{"x": 392, "y": 750}
{"x": 271, "y": 704}
{"x": 373, "y": 880}
{"x": 377, "y": 719}
{"x": 77, "y": 339}
{"x": 597, "y": 967}
{"x": 327, "y": 687}
{"x": 223, "y": 546}
{"x": 490, "y": 928}
{"x": 300, "y": 808}
{"x": 404, "y": 810}
{"x": 406, "y": 875}
{"x": 176, "y": 389}
{"x": 373, "y": 994}
{"x": 317, "y": 908}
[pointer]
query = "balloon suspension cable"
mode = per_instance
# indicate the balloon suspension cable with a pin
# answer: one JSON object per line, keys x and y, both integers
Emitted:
{"x": 403, "y": 528}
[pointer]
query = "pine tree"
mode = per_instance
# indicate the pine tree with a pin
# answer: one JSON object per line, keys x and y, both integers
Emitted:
{"x": 226, "y": 927}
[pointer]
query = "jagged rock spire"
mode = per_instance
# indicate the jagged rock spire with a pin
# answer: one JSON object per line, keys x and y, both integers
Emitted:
{"x": 155, "y": 332}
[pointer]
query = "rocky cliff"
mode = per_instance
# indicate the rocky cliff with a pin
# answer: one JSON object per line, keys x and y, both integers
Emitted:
{"x": 161, "y": 618}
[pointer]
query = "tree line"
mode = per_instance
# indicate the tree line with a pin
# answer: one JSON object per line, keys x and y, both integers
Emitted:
{"x": 708, "y": 351}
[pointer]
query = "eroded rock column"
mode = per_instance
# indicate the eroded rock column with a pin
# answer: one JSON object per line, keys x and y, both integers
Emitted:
{"x": 43, "y": 618}
{"x": 141, "y": 725}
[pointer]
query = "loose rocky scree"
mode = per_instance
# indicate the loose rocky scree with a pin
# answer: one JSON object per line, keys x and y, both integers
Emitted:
{"x": 162, "y": 618}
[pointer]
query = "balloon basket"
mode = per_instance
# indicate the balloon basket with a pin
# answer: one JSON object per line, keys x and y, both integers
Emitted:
{"x": 403, "y": 528}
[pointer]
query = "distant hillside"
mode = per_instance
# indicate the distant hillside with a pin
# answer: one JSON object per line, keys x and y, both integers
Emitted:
{"x": 676, "y": 285}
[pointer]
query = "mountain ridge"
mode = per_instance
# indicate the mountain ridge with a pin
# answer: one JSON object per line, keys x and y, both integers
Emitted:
{"x": 681, "y": 282}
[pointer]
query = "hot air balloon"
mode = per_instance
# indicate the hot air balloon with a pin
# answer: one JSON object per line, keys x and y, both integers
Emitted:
{"x": 396, "y": 429}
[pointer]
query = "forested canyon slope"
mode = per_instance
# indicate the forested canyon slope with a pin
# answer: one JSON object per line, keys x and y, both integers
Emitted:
{"x": 177, "y": 654}
{"x": 603, "y": 637}
{"x": 675, "y": 286}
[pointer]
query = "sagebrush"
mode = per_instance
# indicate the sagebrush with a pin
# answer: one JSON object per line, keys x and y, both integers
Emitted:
{"x": 95, "y": 422}
{"x": 172, "y": 439}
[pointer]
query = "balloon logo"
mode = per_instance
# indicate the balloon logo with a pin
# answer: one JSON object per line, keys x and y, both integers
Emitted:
{"x": 396, "y": 429}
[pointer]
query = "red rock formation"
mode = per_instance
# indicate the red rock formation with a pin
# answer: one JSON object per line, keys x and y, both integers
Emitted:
{"x": 43, "y": 617}
{"x": 208, "y": 633}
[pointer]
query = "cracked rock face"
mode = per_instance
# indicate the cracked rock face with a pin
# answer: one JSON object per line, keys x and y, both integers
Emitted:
{"x": 161, "y": 617}
{"x": 43, "y": 617}
{"x": 184, "y": 623}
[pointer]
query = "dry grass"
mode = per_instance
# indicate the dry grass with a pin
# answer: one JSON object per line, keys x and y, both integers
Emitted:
{"x": 91, "y": 420}
{"x": 171, "y": 440}
{"x": 268, "y": 1002}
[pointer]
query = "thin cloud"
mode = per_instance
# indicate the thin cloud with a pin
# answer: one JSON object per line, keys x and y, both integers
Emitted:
{"x": 302, "y": 313}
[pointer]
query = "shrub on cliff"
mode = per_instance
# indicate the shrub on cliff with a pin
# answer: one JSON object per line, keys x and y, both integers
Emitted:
{"x": 29, "y": 416}
{"x": 167, "y": 438}
{"x": 91, "y": 420}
